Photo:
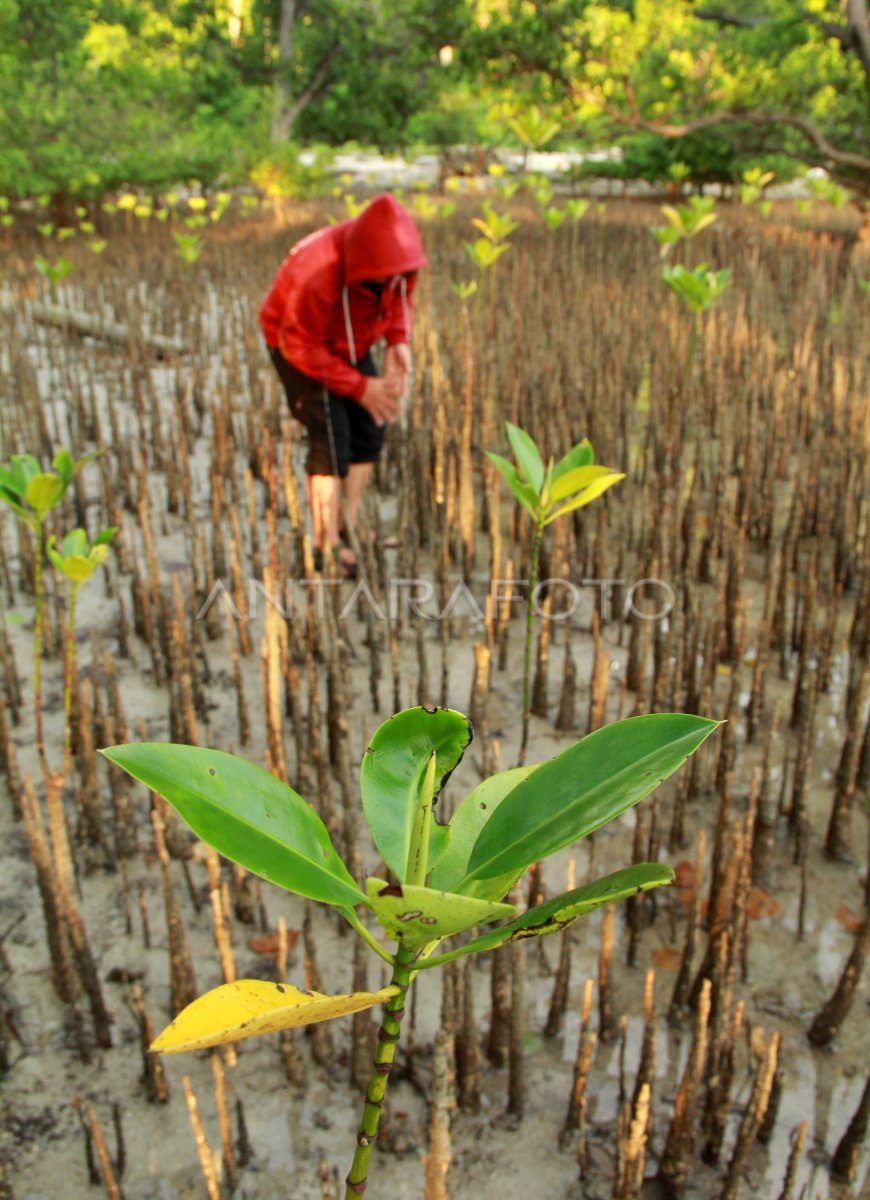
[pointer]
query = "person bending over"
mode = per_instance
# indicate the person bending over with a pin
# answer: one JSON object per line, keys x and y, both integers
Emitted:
{"x": 338, "y": 292}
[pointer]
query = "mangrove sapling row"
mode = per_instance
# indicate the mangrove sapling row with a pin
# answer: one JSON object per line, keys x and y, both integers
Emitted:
{"x": 563, "y": 348}
{"x": 451, "y": 877}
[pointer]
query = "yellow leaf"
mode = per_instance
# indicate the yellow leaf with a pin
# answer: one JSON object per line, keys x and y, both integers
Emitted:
{"x": 248, "y": 1006}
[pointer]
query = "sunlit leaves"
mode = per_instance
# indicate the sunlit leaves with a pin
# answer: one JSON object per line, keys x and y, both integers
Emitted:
{"x": 548, "y": 493}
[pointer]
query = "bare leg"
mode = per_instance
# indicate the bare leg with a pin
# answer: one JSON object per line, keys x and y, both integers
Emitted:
{"x": 323, "y": 499}
{"x": 357, "y": 478}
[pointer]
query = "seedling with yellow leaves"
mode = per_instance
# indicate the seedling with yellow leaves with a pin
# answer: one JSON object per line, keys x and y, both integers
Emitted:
{"x": 445, "y": 879}
{"x": 547, "y": 493}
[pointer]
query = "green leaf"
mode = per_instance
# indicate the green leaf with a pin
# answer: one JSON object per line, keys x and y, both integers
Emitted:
{"x": 63, "y": 464}
{"x": 561, "y": 911}
{"x": 524, "y": 492}
{"x": 42, "y": 493}
{"x": 527, "y": 455}
{"x": 584, "y": 787}
{"x": 465, "y": 826}
{"x": 9, "y": 483}
{"x": 24, "y": 467}
{"x": 250, "y": 1006}
{"x": 588, "y": 494}
{"x": 392, "y": 772}
{"x": 581, "y": 455}
{"x": 417, "y": 915}
{"x": 246, "y": 814}
{"x": 574, "y": 480}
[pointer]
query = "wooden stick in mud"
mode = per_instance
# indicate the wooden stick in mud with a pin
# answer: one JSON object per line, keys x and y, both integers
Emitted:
{"x": 319, "y": 1034}
{"x": 468, "y": 1043}
{"x": 223, "y": 1116}
{"x": 683, "y": 982}
{"x": 203, "y": 1150}
{"x": 439, "y": 1155}
{"x": 498, "y": 1038}
{"x": 827, "y": 1021}
{"x": 845, "y": 1158}
{"x": 182, "y": 982}
{"x": 797, "y": 1144}
{"x": 92, "y": 1129}
{"x": 576, "y": 1101}
{"x": 562, "y": 978}
{"x": 516, "y": 1058}
{"x": 752, "y": 1117}
{"x": 632, "y": 1132}
{"x": 607, "y": 1025}
{"x": 675, "y": 1163}
{"x": 153, "y": 1076}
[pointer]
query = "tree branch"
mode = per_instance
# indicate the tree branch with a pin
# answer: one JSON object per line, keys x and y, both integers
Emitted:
{"x": 842, "y": 33}
{"x": 843, "y": 158}
{"x": 315, "y": 84}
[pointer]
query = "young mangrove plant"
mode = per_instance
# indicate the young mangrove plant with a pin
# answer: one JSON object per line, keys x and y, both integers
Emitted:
{"x": 32, "y": 493}
{"x": 547, "y": 493}
{"x": 446, "y": 879}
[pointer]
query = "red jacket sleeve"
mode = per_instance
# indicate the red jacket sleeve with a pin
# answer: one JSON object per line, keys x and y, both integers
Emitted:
{"x": 396, "y": 330}
{"x": 302, "y": 336}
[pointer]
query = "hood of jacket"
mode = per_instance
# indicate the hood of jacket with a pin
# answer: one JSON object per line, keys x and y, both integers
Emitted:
{"x": 382, "y": 241}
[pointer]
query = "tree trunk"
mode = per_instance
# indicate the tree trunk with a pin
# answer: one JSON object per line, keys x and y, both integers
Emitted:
{"x": 281, "y": 101}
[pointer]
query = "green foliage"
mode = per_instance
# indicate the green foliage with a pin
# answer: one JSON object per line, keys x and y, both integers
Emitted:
{"x": 248, "y": 815}
{"x": 505, "y": 824}
{"x": 391, "y": 776}
{"x": 77, "y": 558}
{"x": 699, "y": 288}
{"x": 581, "y": 789}
{"x": 55, "y": 271}
{"x": 685, "y": 221}
{"x": 416, "y": 915}
{"x": 188, "y": 246}
{"x": 32, "y": 493}
{"x": 556, "y": 914}
{"x": 548, "y": 493}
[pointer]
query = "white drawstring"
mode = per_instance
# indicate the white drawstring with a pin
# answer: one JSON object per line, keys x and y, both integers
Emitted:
{"x": 406, "y": 311}
{"x": 348, "y": 327}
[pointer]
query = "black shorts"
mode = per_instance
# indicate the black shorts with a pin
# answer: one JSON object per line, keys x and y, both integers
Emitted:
{"x": 340, "y": 431}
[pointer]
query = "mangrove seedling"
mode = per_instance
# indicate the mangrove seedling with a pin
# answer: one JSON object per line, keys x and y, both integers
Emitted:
{"x": 32, "y": 493}
{"x": 448, "y": 878}
{"x": 684, "y": 222}
{"x": 547, "y": 493}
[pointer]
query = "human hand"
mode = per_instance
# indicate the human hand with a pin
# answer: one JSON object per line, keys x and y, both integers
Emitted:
{"x": 381, "y": 399}
{"x": 399, "y": 358}
{"x": 398, "y": 366}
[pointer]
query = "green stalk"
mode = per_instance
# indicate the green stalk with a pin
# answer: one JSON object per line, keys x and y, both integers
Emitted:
{"x": 388, "y": 1036}
{"x": 68, "y": 677}
{"x": 686, "y": 368}
{"x": 527, "y": 653}
{"x": 391, "y": 1026}
{"x": 354, "y": 921}
{"x": 37, "y": 648}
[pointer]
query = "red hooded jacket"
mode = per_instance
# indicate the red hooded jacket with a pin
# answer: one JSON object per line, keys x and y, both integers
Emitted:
{"x": 318, "y": 313}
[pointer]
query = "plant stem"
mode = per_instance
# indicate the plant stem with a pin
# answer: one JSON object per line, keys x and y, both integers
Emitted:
{"x": 388, "y": 1036}
{"x": 37, "y": 648}
{"x": 527, "y": 653}
{"x": 354, "y": 921}
{"x": 69, "y": 675}
{"x": 688, "y": 361}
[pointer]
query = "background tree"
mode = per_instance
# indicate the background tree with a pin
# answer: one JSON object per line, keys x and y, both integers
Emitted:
{"x": 724, "y": 86}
